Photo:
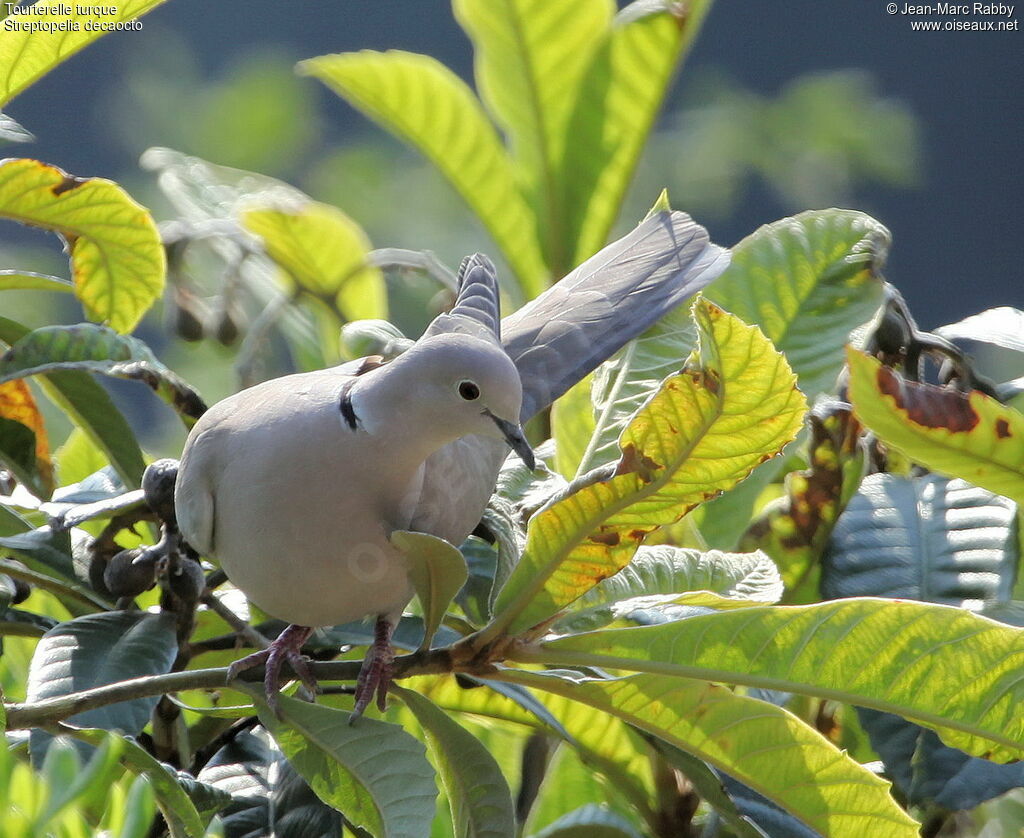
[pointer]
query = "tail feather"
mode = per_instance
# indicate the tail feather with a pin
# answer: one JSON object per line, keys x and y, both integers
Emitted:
{"x": 616, "y": 295}
{"x": 477, "y": 308}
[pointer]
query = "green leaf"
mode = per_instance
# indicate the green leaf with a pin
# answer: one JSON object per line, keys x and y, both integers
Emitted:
{"x": 91, "y": 409}
{"x": 968, "y": 435}
{"x": 26, "y": 56}
{"x": 374, "y": 773}
{"x": 623, "y": 383}
{"x": 808, "y": 281}
{"x": 480, "y": 799}
{"x": 659, "y": 575}
{"x": 925, "y": 538}
{"x": 99, "y": 349}
{"x": 437, "y": 571}
{"x": 268, "y": 796}
{"x": 615, "y": 109}
{"x": 603, "y": 741}
{"x": 100, "y": 649}
{"x": 183, "y": 820}
{"x": 944, "y": 668}
{"x": 117, "y": 259}
{"x": 531, "y": 56}
{"x": 427, "y": 105}
{"x": 324, "y": 251}
{"x": 759, "y": 744}
{"x": 22, "y": 280}
{"x": 733, "y": 406}
{"x": 572, "y": 426}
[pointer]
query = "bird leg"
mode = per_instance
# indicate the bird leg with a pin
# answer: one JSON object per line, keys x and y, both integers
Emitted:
{"x": 287, "y": 647}
{"x": 375, "y": 673}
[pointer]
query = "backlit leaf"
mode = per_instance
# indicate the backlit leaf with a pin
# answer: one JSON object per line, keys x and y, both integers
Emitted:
{"x": 808, "y": 282}
{"x": 968, "y": 435}
{"x": 659, "y": 575}
{"x": 616, "y": 106}
{"x": 794, "y": 529}
{"x": 324, "y": 251}
{"x": 26, "y": 55}
{"x": 733, "y": 405}
{"x": 941, "y": 667}
{"x": 759, "y": 744}
{"x": 374, "y": 773}
{"x": 427, "y": 105}
{"x": 117, "y": 260}
{"x": 479, "y": 796}
{"x": 530, "y": 58}
{"x": 22, "y": 280}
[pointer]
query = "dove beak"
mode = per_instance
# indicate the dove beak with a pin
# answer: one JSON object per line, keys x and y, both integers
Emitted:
{"x": 514, "y": 436}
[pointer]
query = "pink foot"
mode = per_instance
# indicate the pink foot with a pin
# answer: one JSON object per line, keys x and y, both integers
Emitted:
{"x": 375, "y": 673}
{"x": 286, "y": 648}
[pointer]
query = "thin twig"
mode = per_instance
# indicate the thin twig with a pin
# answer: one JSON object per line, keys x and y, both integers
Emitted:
{"x": 51, "y": 710}
{"x": 213, "y": 602}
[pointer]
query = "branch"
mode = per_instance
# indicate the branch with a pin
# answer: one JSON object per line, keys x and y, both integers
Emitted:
{"x": 51, "y": 710}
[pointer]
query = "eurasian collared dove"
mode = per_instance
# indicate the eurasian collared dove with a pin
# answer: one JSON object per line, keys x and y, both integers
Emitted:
{"x": 295, "y": 485}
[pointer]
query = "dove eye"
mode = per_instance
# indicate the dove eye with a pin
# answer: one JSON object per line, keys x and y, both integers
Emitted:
{"x": 469, "y": 391}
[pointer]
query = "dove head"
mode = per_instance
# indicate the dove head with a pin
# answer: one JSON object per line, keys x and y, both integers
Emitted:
{"x": 455, "y": 385}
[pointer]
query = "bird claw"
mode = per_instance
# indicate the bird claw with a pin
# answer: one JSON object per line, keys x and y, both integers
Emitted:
{"x": 285, "y": 649}
{"x": 376, "y": 672}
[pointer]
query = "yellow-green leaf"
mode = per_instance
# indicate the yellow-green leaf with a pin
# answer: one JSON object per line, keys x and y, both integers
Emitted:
{"x": 968, "y": 435}
{"x": 942, "y": 667}
{"x": 343, "y": 764}
{"x": 117, "y": 260}
{"x": 26, "y": 55}
{"x": 427, "y": 105}
{"x": 324, "y": 251}
{"x": 437, "y": 571}
{"x": 763, "y": 746}
{"x": 27, "y": 280}
{"x": 572, "y": 424}
{"x": 617, "y": 104}
{"x": 734, "y": 405}
{"x": 480, "y": 800}
{"x": 602, "y": 740}
{"x": 808, "y": 282}
{"x": 531, "y": 56}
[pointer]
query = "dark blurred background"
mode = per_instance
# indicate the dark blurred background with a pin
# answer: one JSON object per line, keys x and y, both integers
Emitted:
{"x": 780, "y": 107}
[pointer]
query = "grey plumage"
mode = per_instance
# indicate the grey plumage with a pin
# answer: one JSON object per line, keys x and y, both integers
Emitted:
{"x": 297, "y": 504}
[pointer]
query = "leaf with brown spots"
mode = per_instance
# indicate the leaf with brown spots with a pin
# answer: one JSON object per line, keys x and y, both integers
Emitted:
{"x": 968, "y": 435}
{"x": 117, "y": 260}
{"x": 24, "y": 445}
{"x": 795, "y": 529}
{"x": 751, "y": 409}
